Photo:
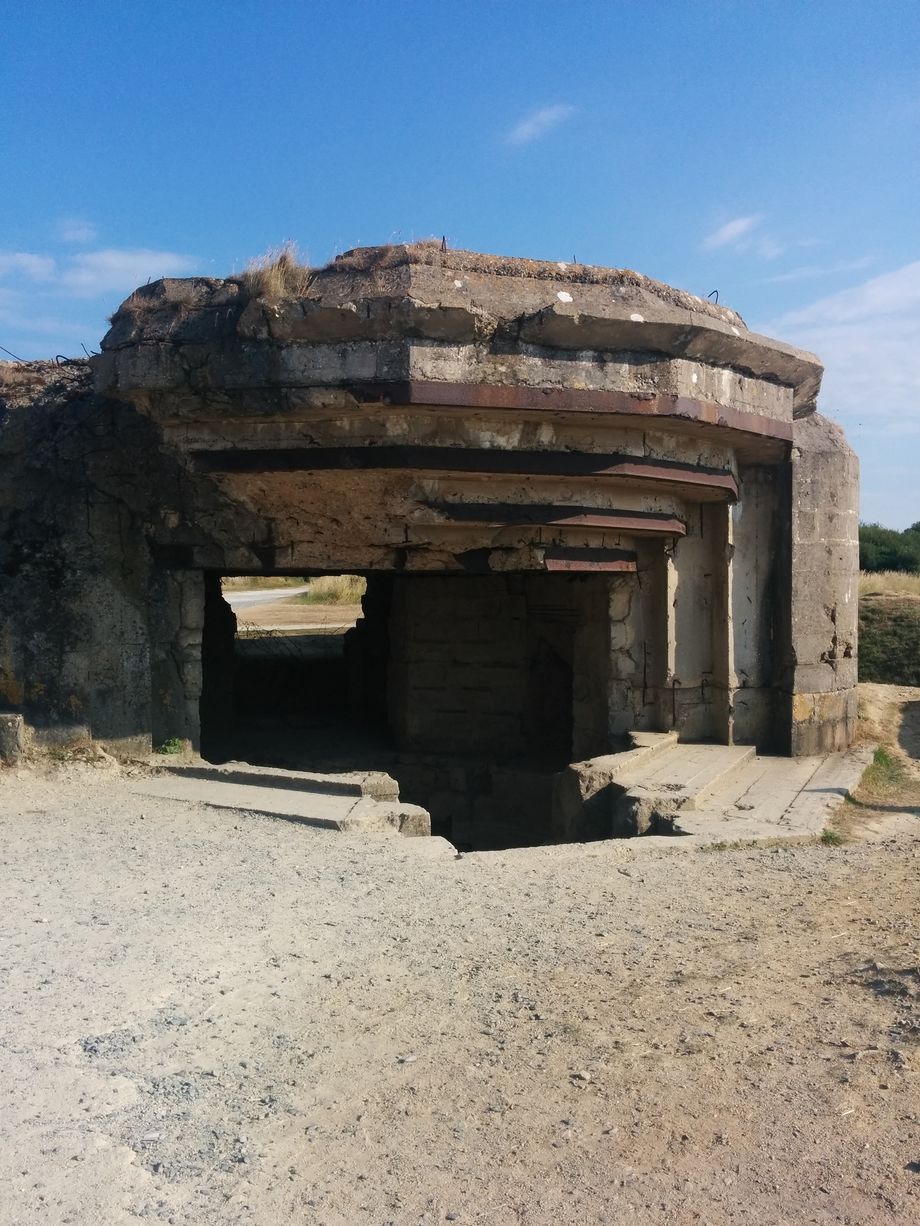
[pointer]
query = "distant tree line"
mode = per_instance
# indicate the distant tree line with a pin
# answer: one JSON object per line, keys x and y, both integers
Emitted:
{"x": 886, "y": 549}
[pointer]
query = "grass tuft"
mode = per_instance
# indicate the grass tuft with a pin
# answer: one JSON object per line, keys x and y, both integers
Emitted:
{"x": 832, "y": 838}
{"x": 335, "y": 589}
{"x": 885, "y": 774}
{"x": 277, "y": 274}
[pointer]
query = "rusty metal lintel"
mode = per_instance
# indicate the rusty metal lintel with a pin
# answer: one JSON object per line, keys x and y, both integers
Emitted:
{"x": 508, "y": 514}
{"x": 572, "y": 400}
{"x": 467, "y": 460}
{"x": 587, "y": 559}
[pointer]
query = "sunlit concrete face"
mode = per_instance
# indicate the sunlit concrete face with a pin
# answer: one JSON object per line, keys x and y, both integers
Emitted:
{"x": 588, "y": 503}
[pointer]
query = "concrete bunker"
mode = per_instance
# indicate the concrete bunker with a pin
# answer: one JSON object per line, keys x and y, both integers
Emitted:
{"x": 589, "y": 507}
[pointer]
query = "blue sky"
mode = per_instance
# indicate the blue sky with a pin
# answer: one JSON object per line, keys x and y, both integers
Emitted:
{"x": 767, "y": 150}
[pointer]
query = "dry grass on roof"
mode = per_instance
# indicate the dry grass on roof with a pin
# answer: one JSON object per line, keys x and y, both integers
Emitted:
{"x": 277, "y": 274}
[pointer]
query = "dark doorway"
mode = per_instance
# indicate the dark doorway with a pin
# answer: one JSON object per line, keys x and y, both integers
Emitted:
{"x": 277, "y": 688}
{"x": 462, "y": 687}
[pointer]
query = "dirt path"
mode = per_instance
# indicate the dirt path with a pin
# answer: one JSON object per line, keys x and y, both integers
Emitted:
{"x": 210, "y": 1017}
{"x": 294, "y": 614}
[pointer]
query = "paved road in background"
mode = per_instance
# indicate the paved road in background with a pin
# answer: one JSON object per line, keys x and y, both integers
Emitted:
{"x": 241, "y": 600}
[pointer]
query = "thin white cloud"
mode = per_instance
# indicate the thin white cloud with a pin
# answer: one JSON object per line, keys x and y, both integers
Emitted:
{"x": 731, "y": 234}
{"x": 43, "y": 298}
{"x": 806, "y": 272}
{"x": 94, "y": 272}
{"x": 76, "y": 230}
{"x": 120, "y": 269}
{"x": 892, "y": 293}
{"x": 768, "y": 248}
{"x": 26, "y": 264}
{"x": 868, "y": 337}
{"x": 539, "y": 124}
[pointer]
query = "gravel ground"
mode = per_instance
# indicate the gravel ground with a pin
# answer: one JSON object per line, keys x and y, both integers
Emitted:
{"x": 216, "y": 1017}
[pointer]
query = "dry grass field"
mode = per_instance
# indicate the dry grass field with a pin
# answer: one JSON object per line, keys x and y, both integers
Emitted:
{"x": 888, "y": 583}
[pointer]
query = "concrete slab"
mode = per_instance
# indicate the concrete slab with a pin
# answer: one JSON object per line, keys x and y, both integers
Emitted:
{"x": 765, "y": 786}
{"x": 776, "y": 799}
{"x": 691, "y": 770}
{"x": 356, "y": 802}
{"x": 317, "y": 808}
{"x": 835, "y": 779}
{"x": 720, "y": 793}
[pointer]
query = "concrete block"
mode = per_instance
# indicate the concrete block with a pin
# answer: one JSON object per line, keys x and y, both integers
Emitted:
{"x": 385, "y": 817}
{"x": 12, "y": 738}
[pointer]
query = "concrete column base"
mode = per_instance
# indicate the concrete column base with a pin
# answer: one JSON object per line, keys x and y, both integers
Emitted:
{"x": 12, "y": 738}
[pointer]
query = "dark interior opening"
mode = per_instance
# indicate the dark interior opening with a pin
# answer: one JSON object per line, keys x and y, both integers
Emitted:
{"x": 462, "y": 688}
{"x": 276, "y": 684}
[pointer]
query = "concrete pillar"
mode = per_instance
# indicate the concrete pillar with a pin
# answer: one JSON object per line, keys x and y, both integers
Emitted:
{"x": 176, "y": 624}
{"x": 697, "y": 588}
{"x": 215, "y": 682}
{"x": 718, "y": 528}
{"x": 760, "y": 588}
{"x": 820, "y": 681}
{"x": 626, "y": 656}
{"x": 590, "y": 682}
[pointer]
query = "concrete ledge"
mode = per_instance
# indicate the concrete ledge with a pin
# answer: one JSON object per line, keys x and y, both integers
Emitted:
{"x": 365, "y": 803}
{"x": 832, "y": 783}
{"x": 803, "y": 819}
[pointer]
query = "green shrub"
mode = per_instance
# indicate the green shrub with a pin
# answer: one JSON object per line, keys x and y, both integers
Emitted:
{"x": 887, "y": 549}
{"x": 889, "y": 639}
{"x": 174, "y": 745}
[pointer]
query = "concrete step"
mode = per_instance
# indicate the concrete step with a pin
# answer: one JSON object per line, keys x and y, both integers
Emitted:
{"x": 358, "y": 802}
{"x": 585, "y": 791}
{"x": 766, "y": 786}
{"x": 775, "y": 798}
{"x": 689, "y": 774}
{"x": 644, "y": 746}
{"x": 681, "y": 779}
{"x": 376, "y": 784}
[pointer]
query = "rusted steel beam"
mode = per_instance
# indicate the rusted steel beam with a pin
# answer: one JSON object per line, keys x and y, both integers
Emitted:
{"x": 509, "y": 514}
{"x": 562, "y": 557}
{"x": 483, "y": 460}
{"x": 572, "y": 400}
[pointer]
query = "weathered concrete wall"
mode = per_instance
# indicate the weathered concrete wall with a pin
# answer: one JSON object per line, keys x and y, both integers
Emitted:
{"x": 694, "y": 697}
{"x": 760, "y": 526}
{"x": 97, "y": 637}
{"x": 501, "y": 666}
{"x": 824, "y": 611}
{"x": 74, "y": 655}
{"x": 457, "y": 664}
